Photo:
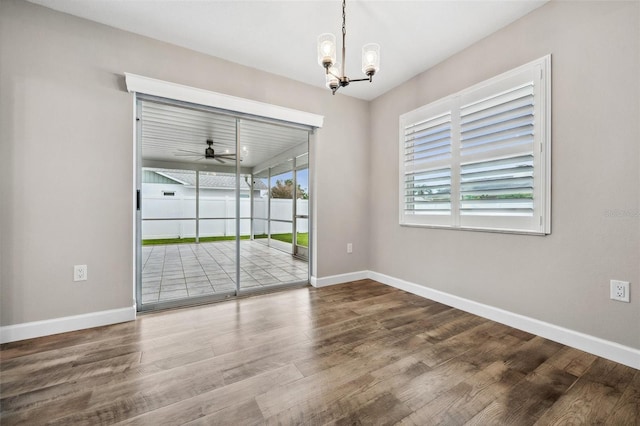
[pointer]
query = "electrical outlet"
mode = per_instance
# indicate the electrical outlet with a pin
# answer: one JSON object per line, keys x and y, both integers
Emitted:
{"x": 349, "y": 248}
{"x": 80, "y": 273}
{"x": 619, "y": 290}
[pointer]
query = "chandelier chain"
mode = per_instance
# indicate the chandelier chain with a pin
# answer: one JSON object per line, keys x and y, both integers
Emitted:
{"x": 344, "y": 35}
{"x": 344, "y": 17}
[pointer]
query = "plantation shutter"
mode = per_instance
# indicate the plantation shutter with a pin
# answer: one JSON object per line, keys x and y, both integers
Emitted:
{"x": 426, "y": 161}
{"x": 497, "y": 135}
{"x": 480, "y": 159}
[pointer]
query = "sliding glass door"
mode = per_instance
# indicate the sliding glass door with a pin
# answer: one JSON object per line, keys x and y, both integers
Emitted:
{"x": 221, "y": 212}
{"x": 267, "y": 259}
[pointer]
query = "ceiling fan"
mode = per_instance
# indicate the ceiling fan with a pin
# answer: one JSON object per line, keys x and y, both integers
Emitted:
{"x": 209, "y": 152}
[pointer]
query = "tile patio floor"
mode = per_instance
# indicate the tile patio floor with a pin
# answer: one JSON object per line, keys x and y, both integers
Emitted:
{"x": 181, "y": 271}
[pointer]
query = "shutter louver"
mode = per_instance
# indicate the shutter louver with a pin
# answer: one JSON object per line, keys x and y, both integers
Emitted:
{"x": 499, "y": 188}
{"x": 427, "y": 185}
{"x": 428, "y": 192}
{"x": 428, "y": 141}
{"x": 496, "y": 136}
{"x": 502, "y": 123}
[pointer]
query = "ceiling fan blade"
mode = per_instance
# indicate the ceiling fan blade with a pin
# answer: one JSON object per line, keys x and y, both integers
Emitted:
{"x": 219, "y": 160}
{"x": 193, "y": 158}
{"x": 189, "y": 151}
{"x": 187, "y": 155}
{"x": 226, "y": 155}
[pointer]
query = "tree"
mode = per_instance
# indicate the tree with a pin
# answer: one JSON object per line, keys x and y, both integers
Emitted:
{"x": 285, "y": 190}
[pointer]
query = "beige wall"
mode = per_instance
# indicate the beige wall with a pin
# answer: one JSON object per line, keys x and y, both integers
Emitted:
{"x": 66, "y": 159}
{"x": 562, "y": 278}
{"x": 66, "y": 167}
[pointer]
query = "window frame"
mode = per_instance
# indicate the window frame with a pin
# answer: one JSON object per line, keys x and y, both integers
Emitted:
{"x": 538, "y": 74}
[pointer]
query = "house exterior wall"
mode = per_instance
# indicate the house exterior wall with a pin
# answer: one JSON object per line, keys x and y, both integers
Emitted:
{"x": 67, "y": 158}
{"x": 562, "y": 278}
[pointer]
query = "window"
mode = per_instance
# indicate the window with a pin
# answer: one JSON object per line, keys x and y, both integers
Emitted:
{"x": 480, "y": 159}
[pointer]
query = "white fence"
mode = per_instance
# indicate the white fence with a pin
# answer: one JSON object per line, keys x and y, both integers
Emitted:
{"x": 222, "y": 210}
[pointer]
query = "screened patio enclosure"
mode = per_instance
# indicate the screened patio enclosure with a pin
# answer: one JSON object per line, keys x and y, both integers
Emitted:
{"x": 223, "y": 204}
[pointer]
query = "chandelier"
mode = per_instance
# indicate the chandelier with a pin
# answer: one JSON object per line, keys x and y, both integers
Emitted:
{"x": 335, "y": 75}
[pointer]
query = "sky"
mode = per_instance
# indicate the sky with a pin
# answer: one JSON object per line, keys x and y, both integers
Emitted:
{"x": 303, "y": 178}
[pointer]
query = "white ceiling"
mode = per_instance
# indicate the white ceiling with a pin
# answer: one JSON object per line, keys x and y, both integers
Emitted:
{"x": 280, "y": 36}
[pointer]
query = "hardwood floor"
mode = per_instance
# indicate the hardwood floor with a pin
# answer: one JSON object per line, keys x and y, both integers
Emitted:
{"x": 358, "y": 353}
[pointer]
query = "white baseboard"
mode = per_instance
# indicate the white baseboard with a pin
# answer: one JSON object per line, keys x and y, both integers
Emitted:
{"x": 29, "y": 330}
{"x": 339, "y": 279}
{"x": 594, "y": 345}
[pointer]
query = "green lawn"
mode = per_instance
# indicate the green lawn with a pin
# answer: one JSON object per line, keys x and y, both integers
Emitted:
{"x": 303, "y": 239}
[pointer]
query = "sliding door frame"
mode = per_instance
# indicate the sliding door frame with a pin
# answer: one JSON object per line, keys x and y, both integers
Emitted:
{"x": 239, "y": 291}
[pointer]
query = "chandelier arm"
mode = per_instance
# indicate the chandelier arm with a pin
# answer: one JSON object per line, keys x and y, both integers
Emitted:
{"x": 370, "y": 78}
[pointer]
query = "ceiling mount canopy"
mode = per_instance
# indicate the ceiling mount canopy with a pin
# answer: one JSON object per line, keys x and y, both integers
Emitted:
{"x": 335, "y": 75}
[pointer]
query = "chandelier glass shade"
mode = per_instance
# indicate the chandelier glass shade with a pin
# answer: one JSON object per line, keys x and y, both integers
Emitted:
{"x": 335, "y": 74}
{"x": 326, "y": 49}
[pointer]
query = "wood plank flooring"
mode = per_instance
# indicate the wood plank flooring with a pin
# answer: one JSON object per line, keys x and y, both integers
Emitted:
{"x": 358, "y": 353}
